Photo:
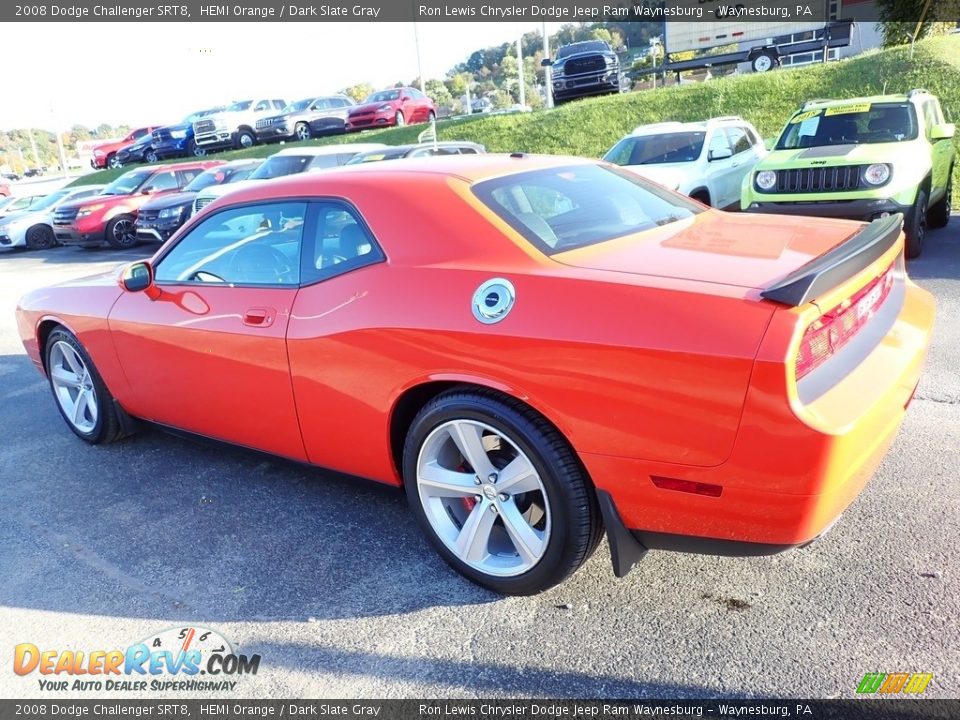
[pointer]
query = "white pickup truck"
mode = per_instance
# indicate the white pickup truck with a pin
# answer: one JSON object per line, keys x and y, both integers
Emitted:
{"x": 235, "y": 127}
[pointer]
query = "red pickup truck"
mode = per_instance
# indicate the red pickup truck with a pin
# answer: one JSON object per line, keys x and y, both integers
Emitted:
{"x": 110, "y": 216}
{"x": 104, "y": 154}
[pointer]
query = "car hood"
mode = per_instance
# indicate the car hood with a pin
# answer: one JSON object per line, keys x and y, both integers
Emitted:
{"x": 105, "y": 200}
{"x": 367, "y": 107}
{"x": 26, "y": 216}
{"x": 169, "y": 200}
{"x": 221, "y": 190}
{"x": 176, "y": 128}
{"x": 830, "y": 155}
{"x": 669, "y": 175}
{"x": 748, "y": 251}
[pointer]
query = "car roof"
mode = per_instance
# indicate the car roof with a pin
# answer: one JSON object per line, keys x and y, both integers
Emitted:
{"x": 315, "y": 150}
{"x": 395, "y": 150}
{"x": 695, "y": 126}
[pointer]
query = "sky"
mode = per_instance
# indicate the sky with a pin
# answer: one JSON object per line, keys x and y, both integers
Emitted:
{"x": 157, "y": 73}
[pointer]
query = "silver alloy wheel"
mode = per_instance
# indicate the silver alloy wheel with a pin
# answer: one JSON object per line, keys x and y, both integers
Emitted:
{"x": 303, "y": 131}
{"x": 246, "y": 140}
{"x": 73, "y": 387}
{"x": 483, "y": 498}
{"x": 123, "y": 233}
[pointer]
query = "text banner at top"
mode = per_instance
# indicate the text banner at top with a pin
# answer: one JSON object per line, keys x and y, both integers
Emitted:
{"x": 733, "y": 11}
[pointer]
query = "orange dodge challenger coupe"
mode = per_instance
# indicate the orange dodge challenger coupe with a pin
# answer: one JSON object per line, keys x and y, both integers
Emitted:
{"x": 536, "y": 349}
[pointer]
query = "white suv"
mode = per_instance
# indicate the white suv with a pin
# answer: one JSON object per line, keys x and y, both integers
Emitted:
{"x": 705, "y": 160}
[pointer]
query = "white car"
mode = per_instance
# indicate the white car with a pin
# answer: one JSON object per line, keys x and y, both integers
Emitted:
{"x": 33, "y": 228}
{"x": 705, "y": 160}
{"x": 289, "y": 162}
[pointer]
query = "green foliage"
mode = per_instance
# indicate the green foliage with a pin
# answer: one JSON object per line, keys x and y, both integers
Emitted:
{"x": 590, "y": 127}
{"x": 900, "y": 18}
{"x": 358, "y": 92}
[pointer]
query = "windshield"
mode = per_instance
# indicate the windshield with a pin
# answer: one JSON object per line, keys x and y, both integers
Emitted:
{"x": 857, "y": 123}
{"x": 127, "y": 183}
{"x": 384, "y": 96}
{"x": 218, "y": 176}
{"x": 376, "y": 156}
{"x": 280, "y": 165}
{"x": 657, "y": 149}
{"x": 240, "y": 106}
{"x": 193, "y": 117}
{"x": 50, "y": 200}
{"x": 582, "y": 47}
{"x": 298, "y": 106}
{"x": 566, "y": 208}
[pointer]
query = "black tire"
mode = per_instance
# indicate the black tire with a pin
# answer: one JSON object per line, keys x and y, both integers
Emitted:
{"x": 246, "y": 139}
{"x": 302, "y": 131}
{"x": 195, "y": 150}
{"x": 915, "y": 225}
{"x": 575, "y": 517}
{"x": 40, "y": 237}
{"x": 108, "y": 427}
{"x": 431, "y": 116}
{"x": 120, "y": 233}
{"x": 939, "y": 214}
{"x": 399, "y": 120}
{"x": 702, "y": 196}
{"x": 150, "y": 156}
{"x": 112, "y": 162}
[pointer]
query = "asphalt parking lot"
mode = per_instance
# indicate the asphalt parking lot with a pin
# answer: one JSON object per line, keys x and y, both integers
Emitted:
{"x": 331, "y": 583}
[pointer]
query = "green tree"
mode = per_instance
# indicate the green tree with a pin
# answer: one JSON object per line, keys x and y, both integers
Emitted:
{"x": 899, "y": 18}
{"x": 358, "y": 92}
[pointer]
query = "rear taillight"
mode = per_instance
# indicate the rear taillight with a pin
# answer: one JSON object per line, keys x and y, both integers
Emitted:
{"x": 836, "y": 328}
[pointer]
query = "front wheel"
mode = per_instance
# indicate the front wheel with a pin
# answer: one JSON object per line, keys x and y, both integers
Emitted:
{"x": 40, "y": 237}
{"x": 499, "y": 492}
{"x": 765, "y": 61}
{"x": 939, "y": 214}
{"x": 150, "y": 156}
{"x": 431, "y": 116}
{"x": 302, "y": 131}
{"x": 246, "y": 139}
{"x": 113, "y": 162}
{"x": 80, "y": 393}
{"x": 399, "y": 120}
{"x": 120, "y": 232}
{"x": 915, "y": 227}
{"x": 195, "y": 150}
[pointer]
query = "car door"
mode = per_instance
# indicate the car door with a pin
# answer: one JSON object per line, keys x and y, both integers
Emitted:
{"x": 205, "y": 348}
{"x": 720, "y": 170}
{"x": 331, "y": 351}
{"x": 942, "y": 149}
{"x": 744, "y": 159}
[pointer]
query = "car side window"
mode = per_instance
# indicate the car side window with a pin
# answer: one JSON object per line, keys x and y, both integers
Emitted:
{"x": 262, "y": 105}
{"x": 931, "y": 116}
{"x": 738, "y": 140}
{"x": 719, "y": 143}
{"x": 187, "y": 175}
{"x": 279, "y": 104}
{"x": 249, "y": 245}
{"x": 137, "y": 134}
{"x": 340, "y": 243}
{"x": 161, "y": 182}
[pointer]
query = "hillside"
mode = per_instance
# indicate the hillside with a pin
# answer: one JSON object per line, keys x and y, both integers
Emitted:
{"x": 590, "y": 127}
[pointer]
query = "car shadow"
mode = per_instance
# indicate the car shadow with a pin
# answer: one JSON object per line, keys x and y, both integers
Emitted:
{"x": 72, "y": 255}
{"x": 162, "y": 526}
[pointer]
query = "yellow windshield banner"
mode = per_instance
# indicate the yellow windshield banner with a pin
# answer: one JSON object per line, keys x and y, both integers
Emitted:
{"x": 800, "y": 117}
{"x": 848, "y": 109}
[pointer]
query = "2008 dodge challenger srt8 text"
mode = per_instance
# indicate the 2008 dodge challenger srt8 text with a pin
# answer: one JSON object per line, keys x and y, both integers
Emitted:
{"x": 536, "y": 349}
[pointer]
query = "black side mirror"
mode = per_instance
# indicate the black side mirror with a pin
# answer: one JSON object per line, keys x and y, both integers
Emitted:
{"x": 137, "y": 277}
{"x": 546, "y": 62}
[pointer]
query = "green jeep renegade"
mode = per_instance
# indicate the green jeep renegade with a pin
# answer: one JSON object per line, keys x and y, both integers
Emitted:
{"x": 861, "y": 159}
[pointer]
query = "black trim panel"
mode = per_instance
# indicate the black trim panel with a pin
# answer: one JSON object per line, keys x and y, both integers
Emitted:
{"x": 837, "y": 265}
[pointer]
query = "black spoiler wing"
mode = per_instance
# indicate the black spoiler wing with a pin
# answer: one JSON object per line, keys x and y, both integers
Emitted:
{"x": 838, "y": 264}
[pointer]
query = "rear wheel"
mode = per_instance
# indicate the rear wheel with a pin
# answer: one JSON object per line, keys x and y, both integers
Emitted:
{"x": 431, "y": 116}
{"x": 701, "y": 196}
{"x": 915, "y": 227}
{"x": 40, "y": 237}
{"x": 765, "y": 61}
{"x": 939, "y": 214}
{"x": 150, "y": 155}
{"x": 80, "y": 393}
{"x": 499, "y": 492}
{"x": 399, "y": 119}
{"x": 246, "y": 139}
{"x": 120, "y": 232}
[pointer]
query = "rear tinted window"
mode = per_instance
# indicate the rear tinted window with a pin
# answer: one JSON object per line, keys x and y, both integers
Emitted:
{"x": 657, "y": 149}
{"x": 565, "y": 208}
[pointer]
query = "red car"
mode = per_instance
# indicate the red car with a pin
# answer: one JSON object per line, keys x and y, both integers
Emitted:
{"x": 4, "y": 189}
{"x": 105, "y": 154}
{"x": 542, "y": 348}
{"x": 396, "y": 106}
{"x": 110, "y": 216}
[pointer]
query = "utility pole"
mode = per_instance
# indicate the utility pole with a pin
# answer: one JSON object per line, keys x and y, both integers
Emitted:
{"x": 523, "y": 89}
{"x": 547, "y": 80}
{"x": 33, "y": 146}
{"x": 416, "y": 42}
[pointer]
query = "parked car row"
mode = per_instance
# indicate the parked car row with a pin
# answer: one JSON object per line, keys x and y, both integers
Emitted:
{"x": 857, "y": 159}
{"x": 245, "y": 123}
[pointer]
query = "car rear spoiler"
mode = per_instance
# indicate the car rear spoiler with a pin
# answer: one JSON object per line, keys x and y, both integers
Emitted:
{"x": 838, "y": 264}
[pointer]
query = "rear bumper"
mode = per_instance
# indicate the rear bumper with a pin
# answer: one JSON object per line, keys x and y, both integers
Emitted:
{"x": 793, "y": 469}
{"x": 864, "y": 209}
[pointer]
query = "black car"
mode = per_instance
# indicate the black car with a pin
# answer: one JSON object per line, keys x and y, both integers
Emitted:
{"x": 305, "y": 119}
{"x": 398, "y": 152}
{"x": 162, "y": 217}
{"x": 139, "y": 152}
{"x": 585, "y": 68}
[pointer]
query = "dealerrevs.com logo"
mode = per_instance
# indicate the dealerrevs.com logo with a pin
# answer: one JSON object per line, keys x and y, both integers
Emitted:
{"x": 189, "y": 659}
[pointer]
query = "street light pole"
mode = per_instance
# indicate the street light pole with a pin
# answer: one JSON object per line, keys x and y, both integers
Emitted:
{"x": 547, "y": 79}
{"x": 523, "y": 91}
